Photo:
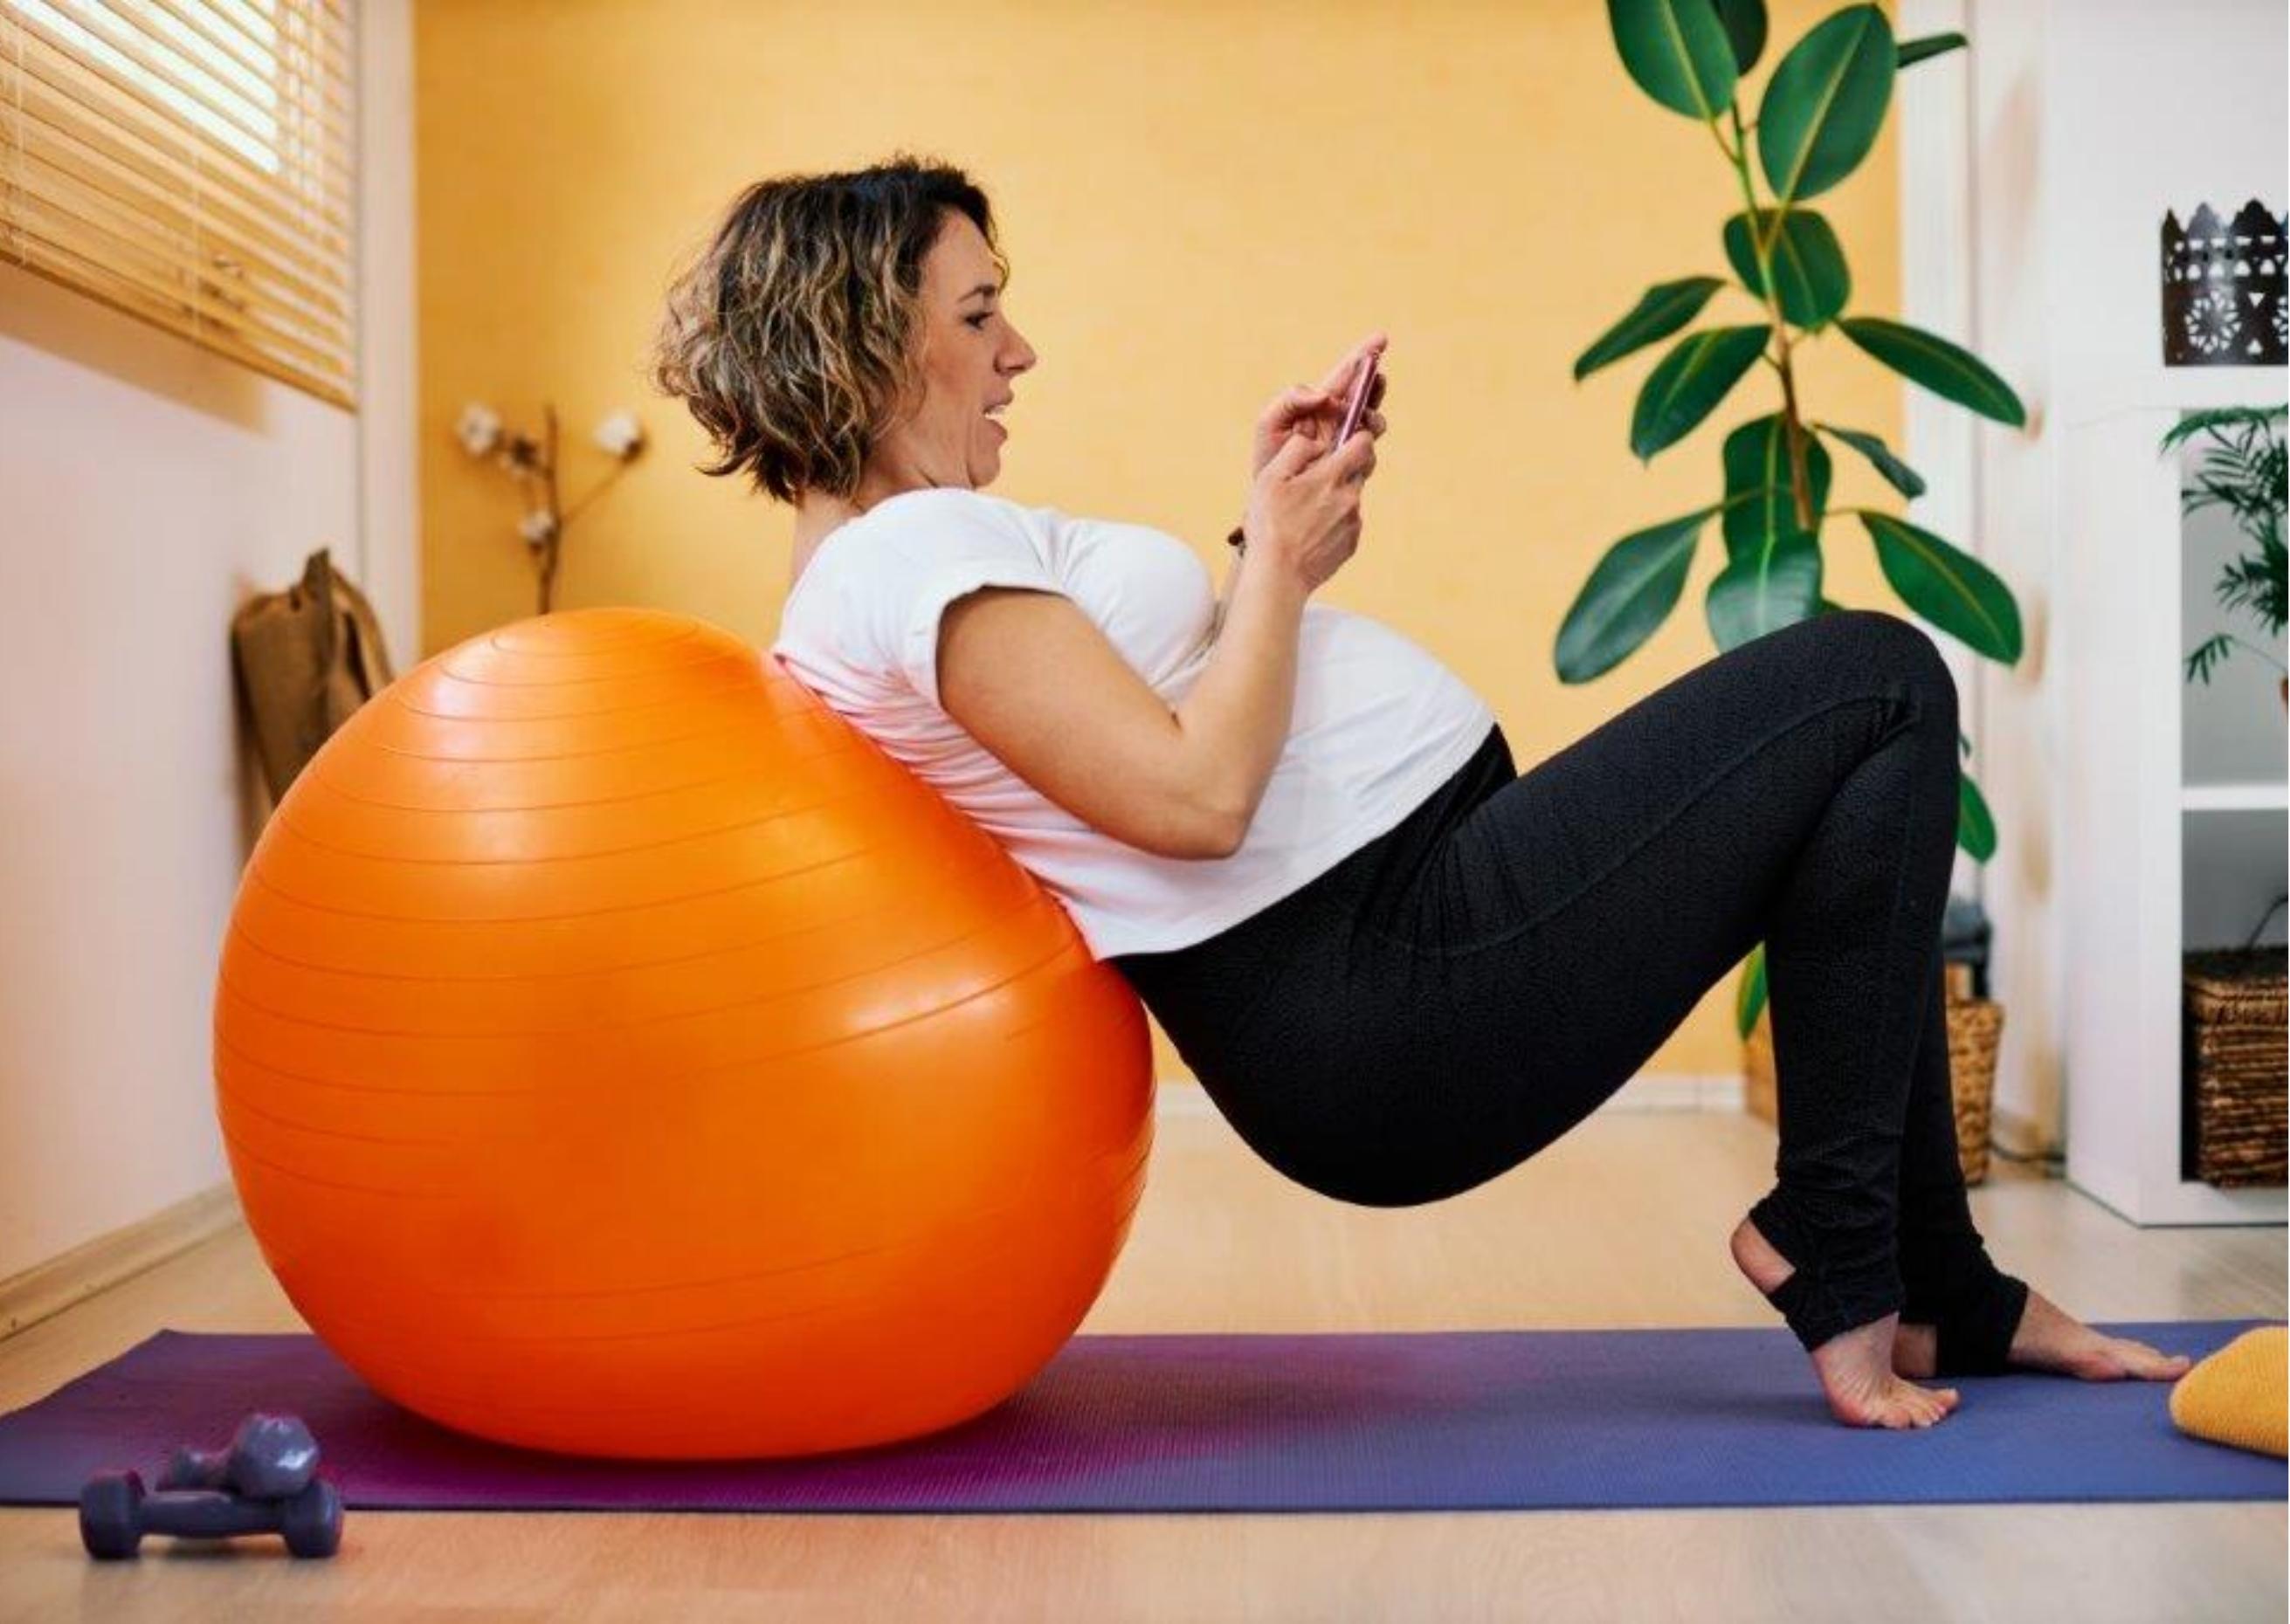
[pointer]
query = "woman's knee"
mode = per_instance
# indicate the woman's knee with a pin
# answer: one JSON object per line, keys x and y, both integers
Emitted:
{"x": 1878, "y": 640}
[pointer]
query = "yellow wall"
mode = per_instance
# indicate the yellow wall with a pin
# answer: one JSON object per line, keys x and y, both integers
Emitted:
{"x": 1202, "y": 204}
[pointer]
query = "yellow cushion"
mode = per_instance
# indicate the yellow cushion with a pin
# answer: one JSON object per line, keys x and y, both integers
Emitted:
{"x": 2236, "y": 1395}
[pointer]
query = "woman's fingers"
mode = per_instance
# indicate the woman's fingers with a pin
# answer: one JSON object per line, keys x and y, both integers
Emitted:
{"x": 1302, "y": 402}
{"x": 1355, "y": 460}
{"x": 1321, "y": 417}
{"x": 1342, "y": 377}
{"x": 1332, "y": 391}
{"x": 1304, "y": 409}
{"x": 1292, "y": 406}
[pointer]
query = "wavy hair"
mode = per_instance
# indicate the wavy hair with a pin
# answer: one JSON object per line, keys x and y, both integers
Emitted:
{"x": 791, "y": 336}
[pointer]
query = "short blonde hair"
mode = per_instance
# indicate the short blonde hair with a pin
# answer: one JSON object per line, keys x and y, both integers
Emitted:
{"x": 790, "y": 337}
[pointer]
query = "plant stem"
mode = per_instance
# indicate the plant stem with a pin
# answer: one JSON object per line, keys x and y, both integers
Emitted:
{"x": 594, "y": 491}
{"x": 1793, "y": 432}
{"x": 556, "y": 531}
{"x": 2261, "y": 653}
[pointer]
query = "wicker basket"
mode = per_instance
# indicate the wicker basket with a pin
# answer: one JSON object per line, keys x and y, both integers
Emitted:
{"x": 1974, "y": 1028}
{"x": 2232, "y": 1057}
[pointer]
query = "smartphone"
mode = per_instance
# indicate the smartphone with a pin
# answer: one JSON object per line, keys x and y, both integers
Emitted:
{"x": 1355, "y": 404}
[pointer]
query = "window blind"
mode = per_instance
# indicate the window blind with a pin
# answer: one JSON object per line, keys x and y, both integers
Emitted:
{"x": 190, "y": 162}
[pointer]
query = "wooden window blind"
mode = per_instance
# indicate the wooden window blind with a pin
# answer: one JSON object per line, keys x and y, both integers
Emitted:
{"x": 190, "y": 162}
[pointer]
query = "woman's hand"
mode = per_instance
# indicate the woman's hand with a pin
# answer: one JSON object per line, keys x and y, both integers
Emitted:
{"x": 1304, "y": 507}
{"x": 1317, "y": 412}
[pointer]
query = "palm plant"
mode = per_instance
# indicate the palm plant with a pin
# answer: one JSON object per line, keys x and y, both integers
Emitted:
{"x": 2242, "y": 471}
{"x": 1819, "y": 115}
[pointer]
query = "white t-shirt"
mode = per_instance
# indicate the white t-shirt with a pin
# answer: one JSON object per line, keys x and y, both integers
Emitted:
{"x": 1378, "y": 724}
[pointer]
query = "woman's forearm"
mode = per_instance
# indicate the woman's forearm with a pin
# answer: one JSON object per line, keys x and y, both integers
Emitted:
{"x": 1236, "y": 716}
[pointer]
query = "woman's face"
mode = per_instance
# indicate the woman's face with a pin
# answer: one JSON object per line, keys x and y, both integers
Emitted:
{"x": 971, "y": 354}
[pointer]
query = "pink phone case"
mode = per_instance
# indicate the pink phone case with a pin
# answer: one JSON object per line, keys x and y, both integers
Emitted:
{"x": 1363, "y": 380}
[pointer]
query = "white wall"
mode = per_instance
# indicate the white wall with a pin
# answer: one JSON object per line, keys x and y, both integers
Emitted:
{"x": 2036, "y": 167}
{"x": 150, "y": 488}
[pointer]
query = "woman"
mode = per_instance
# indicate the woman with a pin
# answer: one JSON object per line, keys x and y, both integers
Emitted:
{"x": 1399, "y": 966}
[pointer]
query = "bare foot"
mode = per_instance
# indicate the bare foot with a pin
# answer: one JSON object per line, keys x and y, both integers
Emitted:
{"x": 2049, "y": 1340}
{"x": 1855, "y": 1367}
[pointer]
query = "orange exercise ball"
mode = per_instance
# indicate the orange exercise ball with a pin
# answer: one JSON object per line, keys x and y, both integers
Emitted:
{"x": 618, "y": 1053}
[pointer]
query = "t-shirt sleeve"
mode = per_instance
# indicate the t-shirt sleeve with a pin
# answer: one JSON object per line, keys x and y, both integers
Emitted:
{"x": 943, "y": 547}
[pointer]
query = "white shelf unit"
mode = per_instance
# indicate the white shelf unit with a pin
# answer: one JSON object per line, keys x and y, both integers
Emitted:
{"x": 2128, "y": 816}
{"x": 2036, "y": 166}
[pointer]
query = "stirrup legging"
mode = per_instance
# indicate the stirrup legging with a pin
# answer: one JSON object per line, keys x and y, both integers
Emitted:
{"x": 1467, "y": 986}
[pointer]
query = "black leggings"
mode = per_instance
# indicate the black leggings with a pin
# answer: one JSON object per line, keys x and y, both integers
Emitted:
{"x": 1463, "y": 989}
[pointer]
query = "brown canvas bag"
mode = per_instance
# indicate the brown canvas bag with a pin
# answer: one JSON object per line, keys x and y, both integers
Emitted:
{"x": 304, "y": 659}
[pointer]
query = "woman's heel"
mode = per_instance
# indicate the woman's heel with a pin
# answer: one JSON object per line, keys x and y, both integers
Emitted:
{"x": 1973, "y": 1335}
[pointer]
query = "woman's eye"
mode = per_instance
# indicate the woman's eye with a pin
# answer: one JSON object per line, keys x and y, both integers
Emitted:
{"x": 977, "y": 321}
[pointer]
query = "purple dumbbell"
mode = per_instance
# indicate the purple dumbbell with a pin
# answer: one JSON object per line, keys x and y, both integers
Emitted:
{"x": 270, "y": 1457}
{"x": 116, "y": 1512}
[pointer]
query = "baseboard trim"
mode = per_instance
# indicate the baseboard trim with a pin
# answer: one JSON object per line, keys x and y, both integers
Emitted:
{"x": 2017, "y": 1134}
{"x": 47, "y": 1289}
{"x": 1179, "y": 1095}
{"x": 1679, "y": 1091}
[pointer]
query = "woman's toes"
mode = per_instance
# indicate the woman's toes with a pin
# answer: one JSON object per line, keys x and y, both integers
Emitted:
{"x": 1888, "y": 1402}
{"x": 1939, "y": 1402}
{"x": 1911, "y": 1406}
{"x": 2153, "y": 1365}
{"x": 2111, "y": 1358}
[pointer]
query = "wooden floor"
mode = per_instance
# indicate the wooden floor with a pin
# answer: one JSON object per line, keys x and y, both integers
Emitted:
{"x": 1622, "y": 1223}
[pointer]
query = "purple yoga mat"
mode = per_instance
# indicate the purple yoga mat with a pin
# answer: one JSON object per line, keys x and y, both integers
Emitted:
{"x": 1413, "y": 1420}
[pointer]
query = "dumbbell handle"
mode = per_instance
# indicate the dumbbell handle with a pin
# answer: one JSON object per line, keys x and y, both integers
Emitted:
{"x": 207, "y": 1514}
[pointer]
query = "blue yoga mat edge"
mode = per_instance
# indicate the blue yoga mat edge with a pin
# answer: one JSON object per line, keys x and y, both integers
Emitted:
{"x": 1559, "y": 1419}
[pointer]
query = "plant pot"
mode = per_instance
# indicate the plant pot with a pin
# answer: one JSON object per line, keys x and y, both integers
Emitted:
{"x": 1974, "y": 1028}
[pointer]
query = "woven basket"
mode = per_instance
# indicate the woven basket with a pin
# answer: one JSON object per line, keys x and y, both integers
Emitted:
{"x": 1975, "y": 1025}
{"x": 2232, "y": 1057}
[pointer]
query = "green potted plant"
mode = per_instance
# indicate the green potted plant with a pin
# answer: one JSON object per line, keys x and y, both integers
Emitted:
{"x": 2242, "y": 471}
{"x": 1817, "y": 117}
